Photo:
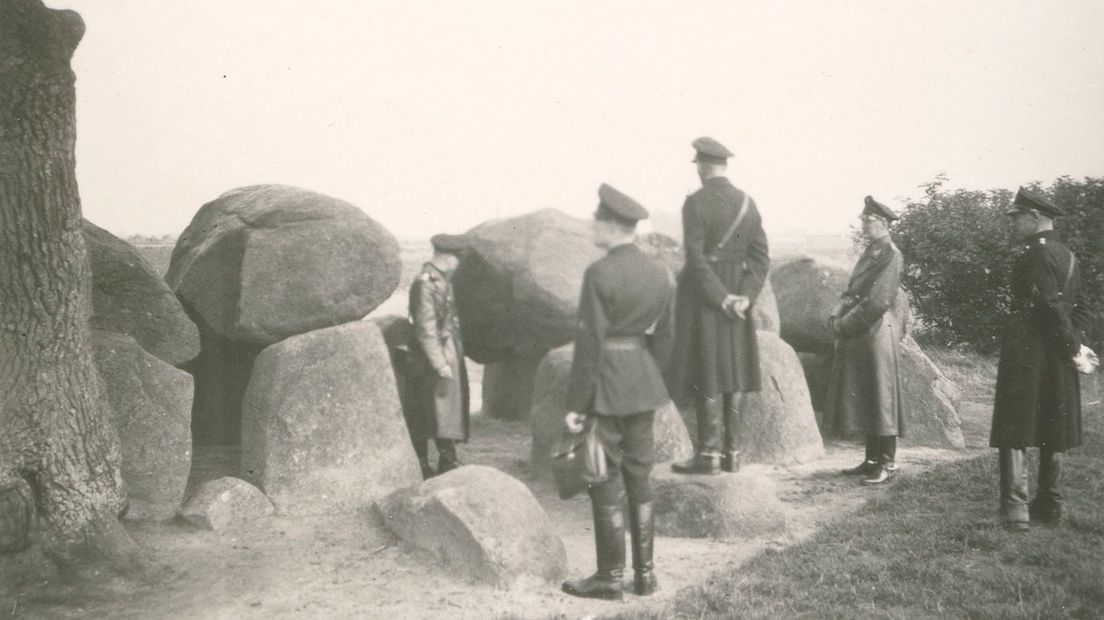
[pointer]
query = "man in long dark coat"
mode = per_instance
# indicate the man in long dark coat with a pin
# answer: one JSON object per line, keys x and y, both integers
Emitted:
{"x": 437, "y": 405}
{"x": 716, "y": 356}
{"x": 865, "y": 393}
{"x": 1038, "y": 399}
{"x": 623, "y": 336}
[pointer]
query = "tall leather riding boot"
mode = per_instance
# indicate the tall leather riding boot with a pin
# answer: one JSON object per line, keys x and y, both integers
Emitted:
{"x": 642, "y": 529}
{"x": 609, "y": 543}
{"x": 710, "y": 436}
{"x": 1047, "y": 506}
{"x": 887, "y": 451}
{"x": 446, "y": 456}
{"x": 730, "y": 458}
{"x": 421, "y": 449}
{"x": 870, "y": 461}
{"x": 885, "y": 460}
{"x": 1013, "y": 487}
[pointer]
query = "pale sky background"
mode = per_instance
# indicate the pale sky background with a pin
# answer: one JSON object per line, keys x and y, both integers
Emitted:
{"x": 436, "y": 116}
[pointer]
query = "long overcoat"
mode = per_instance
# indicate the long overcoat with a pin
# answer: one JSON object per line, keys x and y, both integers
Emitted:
{"x": 1038, "y": 398}
{"x": 864, "y": 396}
{"x": 436, "y": 407}
{"x": 623, "y": 335}
{"x": 714, "y": 353}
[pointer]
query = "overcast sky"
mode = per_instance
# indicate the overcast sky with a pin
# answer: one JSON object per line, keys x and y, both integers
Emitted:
{"x": 435, "y": 116}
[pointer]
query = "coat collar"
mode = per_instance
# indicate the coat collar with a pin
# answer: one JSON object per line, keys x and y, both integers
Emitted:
{"x": 872, "y": 257}
{"x": 624, "y": 248}
{"x": 1039, "y": 239}
{"x": 720, "y": 181}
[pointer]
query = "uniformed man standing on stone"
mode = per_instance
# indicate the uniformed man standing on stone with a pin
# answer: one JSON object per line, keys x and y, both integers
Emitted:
{"x": 864, "y": 396}
{"x": 623, "y": 336}
{"x": 1038, "y": 399}
{"x": 716, "y": 357}
{"x": 438, "y": 393}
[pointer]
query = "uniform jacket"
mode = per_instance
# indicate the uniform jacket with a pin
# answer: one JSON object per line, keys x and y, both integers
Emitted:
{"x": 865, "y": 392}
{"x": 437, "y": 407}
{"x": 1038, "y": 398}
{"x": 626, "y": 298}
{"x": 714, "y": 353}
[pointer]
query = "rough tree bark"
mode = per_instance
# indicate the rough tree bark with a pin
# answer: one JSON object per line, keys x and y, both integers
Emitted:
{"x": 57, "y": 447}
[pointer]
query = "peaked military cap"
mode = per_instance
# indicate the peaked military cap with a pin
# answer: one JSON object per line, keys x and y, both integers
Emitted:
{"x": 873, "y": 207}
{"x": 1027, "y": 200}
{"x": 709, "y": 150}
{"x": 616, "y": 205}
{"x": 452, "y": 244}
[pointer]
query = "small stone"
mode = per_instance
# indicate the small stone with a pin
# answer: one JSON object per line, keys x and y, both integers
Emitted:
{"x": 226, "y": 503}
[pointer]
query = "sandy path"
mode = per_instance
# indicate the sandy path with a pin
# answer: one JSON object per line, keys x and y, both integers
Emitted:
{"x": 350, "y": 567}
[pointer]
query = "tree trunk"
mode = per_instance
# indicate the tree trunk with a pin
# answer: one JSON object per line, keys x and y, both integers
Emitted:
{"x": 59, "y": 456}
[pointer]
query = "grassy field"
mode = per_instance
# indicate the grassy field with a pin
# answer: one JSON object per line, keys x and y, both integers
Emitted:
{"x": 932, "y": 548}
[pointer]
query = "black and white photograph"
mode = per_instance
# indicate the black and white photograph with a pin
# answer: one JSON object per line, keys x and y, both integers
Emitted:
{"x": 530, "y": 310}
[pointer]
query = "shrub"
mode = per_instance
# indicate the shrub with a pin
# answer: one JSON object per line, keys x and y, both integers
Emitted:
{"x": 959, "y": 249}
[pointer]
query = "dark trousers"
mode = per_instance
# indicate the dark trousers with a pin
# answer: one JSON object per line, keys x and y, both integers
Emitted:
{"x": 881, "y": 448}
{"x": 444, "y": 446}
{"x": 1013, "y": 482}
{"x": 718, "y": 422}
{"x": 629, "y": 442}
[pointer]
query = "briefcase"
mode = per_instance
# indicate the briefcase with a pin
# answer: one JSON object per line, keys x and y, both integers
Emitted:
{"x": 579, "y": 461}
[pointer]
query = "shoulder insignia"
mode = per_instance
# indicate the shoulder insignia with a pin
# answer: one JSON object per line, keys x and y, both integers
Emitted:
{"x": 1042, "y": 240}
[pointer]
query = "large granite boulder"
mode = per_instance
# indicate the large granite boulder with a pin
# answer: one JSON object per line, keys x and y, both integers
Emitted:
{"x": 807, "y": 289}
{"x": 129, "y": 297}
{"x": 151, "y": 404}
{"x": 766, "y": 311}
{"x": 226, "y": 503}
{"x": 777, "y": 424}
{"x": 672, "y": 441}
{"x": 261, "y": 263}
{"x": 741, "y": 505}
{"x": 322, "y": 426}
{"x": 930, "y": 400}
{"x": 517, "y": 290}
{"x": 481, "y": 523}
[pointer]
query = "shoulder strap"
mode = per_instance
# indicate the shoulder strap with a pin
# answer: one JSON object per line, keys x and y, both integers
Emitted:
{"x": 735, "y": 224}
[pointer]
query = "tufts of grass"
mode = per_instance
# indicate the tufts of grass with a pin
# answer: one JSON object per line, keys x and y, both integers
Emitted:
{"x": 931, "y": 546}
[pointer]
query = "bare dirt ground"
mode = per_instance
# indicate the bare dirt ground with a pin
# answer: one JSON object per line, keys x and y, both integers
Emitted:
{"x": 348, "y": 566}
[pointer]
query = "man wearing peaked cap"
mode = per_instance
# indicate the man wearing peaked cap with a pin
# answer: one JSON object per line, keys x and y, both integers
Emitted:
{"x": 877, "y": 209}
{"x": 436, "y": 403}
{"x": 622, "y": 339}
{"x": 1038, "y": 400}
{"x": 619, "y": 206}
{"x": 1029, "y": 201}
{"x": 864, "y": 396}
{"x": 715, "y": 361}
{"x": 707, "y": 149}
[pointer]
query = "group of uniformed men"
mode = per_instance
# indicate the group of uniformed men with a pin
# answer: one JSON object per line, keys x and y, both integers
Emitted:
{"x": 642, "y": 338}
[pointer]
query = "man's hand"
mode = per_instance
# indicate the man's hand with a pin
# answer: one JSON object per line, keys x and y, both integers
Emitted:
{"x": 1086, "y": 361}
{"x": 574, "y": 421}
{"x": 444, "y": 372}
{"x": 735, "y": 306}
